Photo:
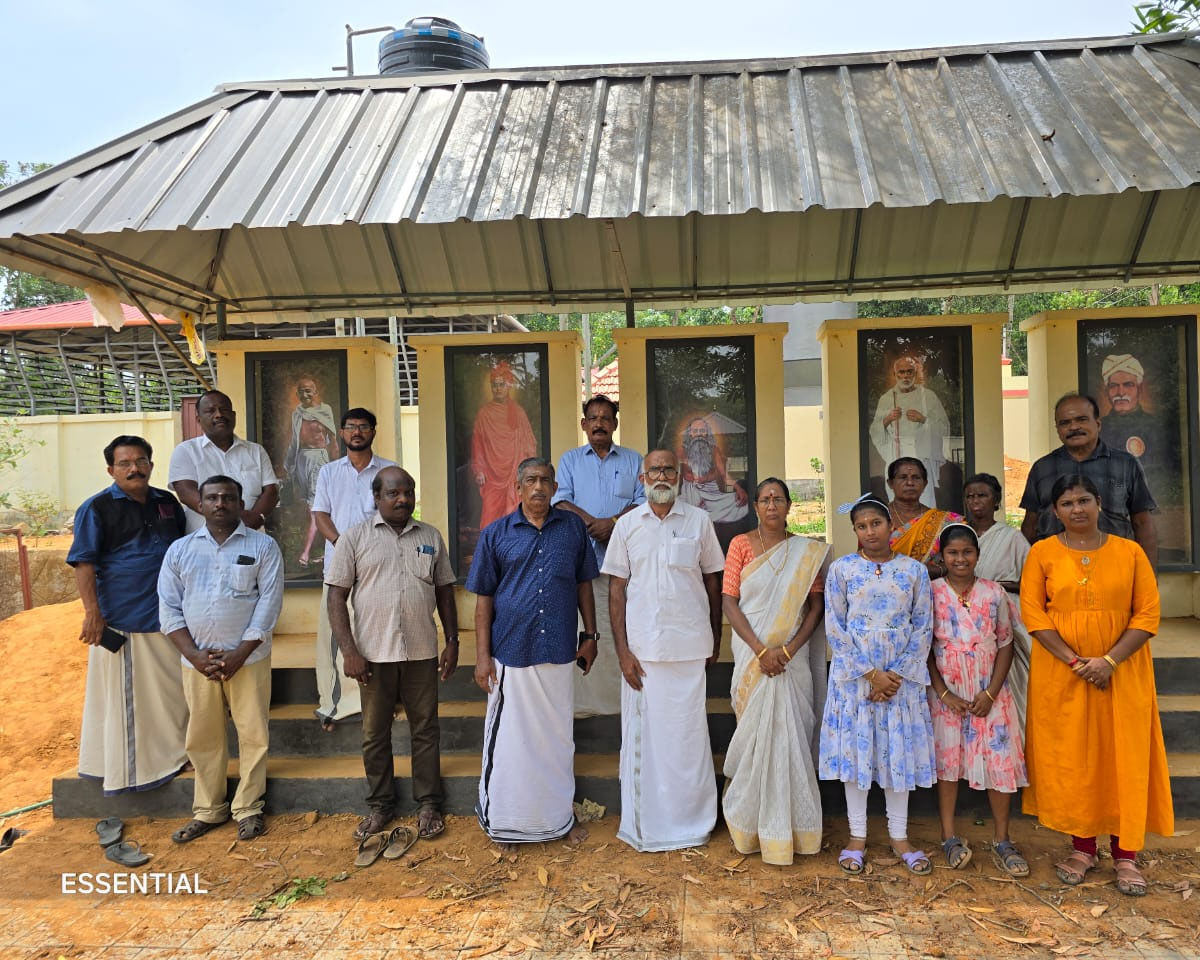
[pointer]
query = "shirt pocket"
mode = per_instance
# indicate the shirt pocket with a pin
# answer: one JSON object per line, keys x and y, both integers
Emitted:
{"x": 623, "y": 486}
{"x": 423, "y": 565}
{"x": 683, "y": 553}
{"x": 243, "y": 578}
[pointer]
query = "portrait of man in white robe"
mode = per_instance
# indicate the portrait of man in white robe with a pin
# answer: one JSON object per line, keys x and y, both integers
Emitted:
{"x": 910, "y": 421}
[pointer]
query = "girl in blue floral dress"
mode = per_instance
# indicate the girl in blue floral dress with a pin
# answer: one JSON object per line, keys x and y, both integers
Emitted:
{"x": 876, "y": 727}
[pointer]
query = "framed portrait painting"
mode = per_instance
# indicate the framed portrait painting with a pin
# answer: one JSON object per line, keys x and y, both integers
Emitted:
{"x": 1142, "y": 374}
{"x": 915, "y": 401}
{"x": 497, "y": 414}
{"x": 294, "y": 405}
{"x": 701, "y": 398}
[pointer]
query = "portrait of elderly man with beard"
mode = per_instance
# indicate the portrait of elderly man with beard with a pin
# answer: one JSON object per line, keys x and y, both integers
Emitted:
{"x": 313, "y": 444}
{"x": 704, "y": 480}
{"x": 910, "y": 421}
{"x": 664, "y": 602}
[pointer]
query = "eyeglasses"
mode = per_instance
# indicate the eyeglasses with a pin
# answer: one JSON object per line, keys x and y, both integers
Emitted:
{"x": 142, "y": 462}
{"x": 771, "y": 501}
{"x": 358, "y": 428}
{"x": 666, "y": 473}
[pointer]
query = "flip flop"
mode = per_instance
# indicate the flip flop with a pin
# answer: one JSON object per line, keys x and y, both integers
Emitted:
{"x": 128, "y": 854}
{"x": 109, "y": 831}
{"x": 400, "y": 841}
{"x": 10, "y": 837}
{"x": 370, "y": 849}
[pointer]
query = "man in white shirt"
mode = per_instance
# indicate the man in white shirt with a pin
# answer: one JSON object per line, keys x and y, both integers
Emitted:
{"x": 910, "y": 421}
{"x": 219, "y": 452}
{"x": 665, "y": 605}
{"x": 343, "y": 499}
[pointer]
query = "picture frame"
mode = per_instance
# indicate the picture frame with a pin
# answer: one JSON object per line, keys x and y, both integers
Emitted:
{"x": 1142, "y": 373}
{"x": 925, "y": 372}
{"x": 300, "y": 435}
{"x": 701, "y": 404}
{"x": 497, "y": 414}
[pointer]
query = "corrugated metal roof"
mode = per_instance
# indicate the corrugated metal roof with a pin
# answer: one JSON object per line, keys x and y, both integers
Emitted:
{"x": 1043, "y": 163}
{"x": 64, "y": 316}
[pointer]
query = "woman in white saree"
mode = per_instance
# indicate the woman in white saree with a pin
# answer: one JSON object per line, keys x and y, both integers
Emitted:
{"x": 1002, "y": 553}
{"x": 772, "y": 803}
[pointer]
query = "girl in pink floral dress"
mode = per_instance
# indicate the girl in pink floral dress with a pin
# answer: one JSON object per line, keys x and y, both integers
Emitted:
{"x": 976, "y": 734}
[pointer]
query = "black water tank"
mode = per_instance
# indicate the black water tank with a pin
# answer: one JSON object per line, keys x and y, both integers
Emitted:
{"x": 429, "y": 44}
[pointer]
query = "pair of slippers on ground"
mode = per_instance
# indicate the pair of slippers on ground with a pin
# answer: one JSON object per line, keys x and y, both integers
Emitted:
{"x": 249, "y": 828}
{"x": 126, "y": 853}
{"x": 375, "y": 842}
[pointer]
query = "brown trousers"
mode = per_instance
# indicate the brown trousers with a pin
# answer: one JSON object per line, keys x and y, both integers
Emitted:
{"x": 414, "y": 685}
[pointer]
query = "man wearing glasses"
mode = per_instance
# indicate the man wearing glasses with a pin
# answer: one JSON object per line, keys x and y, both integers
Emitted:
{"x": 665, "y": 605}
{"x": 599, "y": 482}
{"x": 343, "y": 499}
{"x": 134, "y": 714}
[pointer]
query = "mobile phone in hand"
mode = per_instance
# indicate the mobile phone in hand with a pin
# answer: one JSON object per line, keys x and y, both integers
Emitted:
{"x": 111, "y": 640}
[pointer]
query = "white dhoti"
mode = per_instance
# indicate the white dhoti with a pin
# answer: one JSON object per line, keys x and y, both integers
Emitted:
{"x": 721, "y": 507}
{"x": 134, "y": 715}
{"x": 338, "y": 697}
{"x": 600, "y": 691}
{"x": 668, "y": 785}
{"x": 527, "y": 786}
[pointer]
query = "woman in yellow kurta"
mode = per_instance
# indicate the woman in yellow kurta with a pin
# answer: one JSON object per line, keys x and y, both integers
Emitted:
{"x": 1094, "y": 744}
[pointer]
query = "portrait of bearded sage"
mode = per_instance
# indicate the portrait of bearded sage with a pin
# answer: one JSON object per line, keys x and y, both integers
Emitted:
{"x": 294, "y": 404}
{"x": 914, "y": 401}
{"x": 702, "y": 407}
{"x": 498, "y": 412}
{"x": 1138, "y": 370}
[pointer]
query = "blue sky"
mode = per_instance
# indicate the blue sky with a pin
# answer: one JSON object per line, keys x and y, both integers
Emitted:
{"x": 77, "y": 73}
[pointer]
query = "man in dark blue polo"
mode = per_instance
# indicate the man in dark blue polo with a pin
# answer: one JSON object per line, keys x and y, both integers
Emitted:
{"x": 134, "y": 713}
{"x": 531, "y": 571}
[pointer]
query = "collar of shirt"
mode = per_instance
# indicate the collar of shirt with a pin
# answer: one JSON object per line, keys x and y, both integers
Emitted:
{"x": 517, "y": 517}
{"x": 238, "y": 531}
{"x": 119, "y": 494}
{"x": 645, "y": 511}
{"x": 375, "y": 461}
{"x": 1100, "y": 452}
{"x": 237, "y": 441}
{"x": 590, "y": 451}
{"x": 377, "y": 520}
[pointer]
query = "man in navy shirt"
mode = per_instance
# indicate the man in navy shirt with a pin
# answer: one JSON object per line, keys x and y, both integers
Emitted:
{"x": 134, "y": 714}
{"x": 532, "y": 570}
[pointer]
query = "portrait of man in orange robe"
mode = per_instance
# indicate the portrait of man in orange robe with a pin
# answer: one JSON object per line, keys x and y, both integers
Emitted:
{"x": 501, "y": 438}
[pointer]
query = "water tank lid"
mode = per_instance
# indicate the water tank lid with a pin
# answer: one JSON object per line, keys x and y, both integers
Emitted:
{"x": 435, "y": 27}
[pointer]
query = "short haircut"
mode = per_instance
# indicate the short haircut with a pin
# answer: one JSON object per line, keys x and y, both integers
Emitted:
{"x": 869, "y": 504}
{"x": 1075, "y": 395}
{"x": 958, "y": 531}
{"x": 987, "y": 480}
{"x": 1069, "y": 481}
{"x": 602, "y": 398}
{"x": 530, "y": 462}
{"x": 910, "y": 462}
{"x": 218, "y": 479}
{"x": 787, "y": 494}
{"x": 126, "y": 440}
{"x": 359, "y": 413}
{"x": 213, "y": 393}
{"x": 377, "y": 483}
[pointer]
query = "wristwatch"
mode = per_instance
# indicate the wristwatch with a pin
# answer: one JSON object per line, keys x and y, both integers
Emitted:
{"x": 453, "y": 639}
{"x": 585, "y": 637}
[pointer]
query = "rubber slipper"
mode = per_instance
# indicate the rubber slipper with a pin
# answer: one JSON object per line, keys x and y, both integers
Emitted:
{"x": 400, "y": 841}
{"x": 370, "y": 849}
{"x": 851, "y": 861}
{"x": 958, "y": 854}
{"x": 127, "y": 854}
{"x": 193, "y": 829}
{"x": 433, "y": 826}
{"x": 916, "y": 861}
{"x": 109, "y": 831}
{"x": 251, "y": 827}
{"x": 10, "y": 837}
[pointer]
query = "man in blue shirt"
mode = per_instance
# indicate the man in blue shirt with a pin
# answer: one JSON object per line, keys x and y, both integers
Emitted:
{"x": 599, "y": 482}
{"x": 532, "y": 570}
{"x": 134, "y": 714}
{"x": 220, "y": 592}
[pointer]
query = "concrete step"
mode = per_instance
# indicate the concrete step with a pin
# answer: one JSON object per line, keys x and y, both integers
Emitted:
{"x": 1177, "y": 656}
{"x": 295, "y": 731}
{"x": 1180, "y": 715}
{"x": 336, "y": 785}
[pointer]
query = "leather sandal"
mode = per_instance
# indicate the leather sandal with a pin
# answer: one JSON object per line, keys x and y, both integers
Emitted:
{"x": 1074, "y": 868}
{"x": 958, "y": 854}
{"x": 1129, "y": 878}
{"x": 374, "y": 822}
{"x": 370, "y": 848}
{"x": 430, "y": 821}
{"x": 400, "y": 841}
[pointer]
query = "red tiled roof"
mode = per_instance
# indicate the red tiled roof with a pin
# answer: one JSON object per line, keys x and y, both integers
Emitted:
{"x": 607, "y": 381}
{"x": 63, "y": 316}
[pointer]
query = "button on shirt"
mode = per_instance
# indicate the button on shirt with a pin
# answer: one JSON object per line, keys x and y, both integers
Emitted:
{"x": 224, "y": 593}
{"x": 666, "y": 605}
{"x": 126, "y": 542}
{"x": 603, "y": 486}
{"x": 199, "y": 458}
{"x": 1117, "y": 475}
{"x": 533, "y": 576}
{"x": 391, "y": 577}
{"x": 344, "y": 492}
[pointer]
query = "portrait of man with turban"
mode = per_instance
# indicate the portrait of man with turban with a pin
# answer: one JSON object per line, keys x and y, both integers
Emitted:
{"x": 1128, "y": 426}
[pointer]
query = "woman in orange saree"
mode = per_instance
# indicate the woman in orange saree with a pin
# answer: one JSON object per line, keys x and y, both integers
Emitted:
{"x": 916, "y": 527}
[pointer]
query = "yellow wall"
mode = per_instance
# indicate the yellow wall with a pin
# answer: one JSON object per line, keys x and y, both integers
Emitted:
{"x": 67, "y": 460}
{"x": 804, "y": 438}
{"x": 839, "y": 393}
{"x": 768, "y": 384}
{"x": 1054, "y": 371}
{"x": 1016, "y": 415}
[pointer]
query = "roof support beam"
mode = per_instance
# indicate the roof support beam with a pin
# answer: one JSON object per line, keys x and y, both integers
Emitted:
{"x": 541, "y": 232}
{"x": 1016, "y": 247}
{"x": 159, "y": 277}
{"x": 1151, "y": 206}
{"x": 858, "y": 215}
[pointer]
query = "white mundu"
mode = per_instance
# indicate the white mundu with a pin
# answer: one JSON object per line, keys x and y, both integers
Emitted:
{"x": 908, "y": 438}
{"x": 668, "y": 785}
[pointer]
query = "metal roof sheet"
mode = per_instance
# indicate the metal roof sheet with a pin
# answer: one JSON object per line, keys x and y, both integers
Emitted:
{"x": 64, "y": 316}
{"x": 961, "y": 168}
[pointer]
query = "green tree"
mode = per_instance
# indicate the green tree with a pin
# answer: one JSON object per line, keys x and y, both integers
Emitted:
{"x": 1166, "y": 16}
{"x": 17, "y": 289}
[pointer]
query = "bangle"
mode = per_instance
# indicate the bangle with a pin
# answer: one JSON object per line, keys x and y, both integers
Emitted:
{"x": 989, "y": 694}
{"x": 759, "y": 655}
{"x": 942, "y": 696}
{"x": 1111, "y": 662}
{"x": 785, "y": 651}
{"x": 1075, "y": 660}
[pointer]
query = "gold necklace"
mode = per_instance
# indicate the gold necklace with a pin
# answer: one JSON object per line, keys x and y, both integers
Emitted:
{"x": 763, "y": 546}
{"x": 1084, "y": 561}
{"x": 963, "y": 598}
{"x": 900, "y": 518}
{"x": 878, "y": 563}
